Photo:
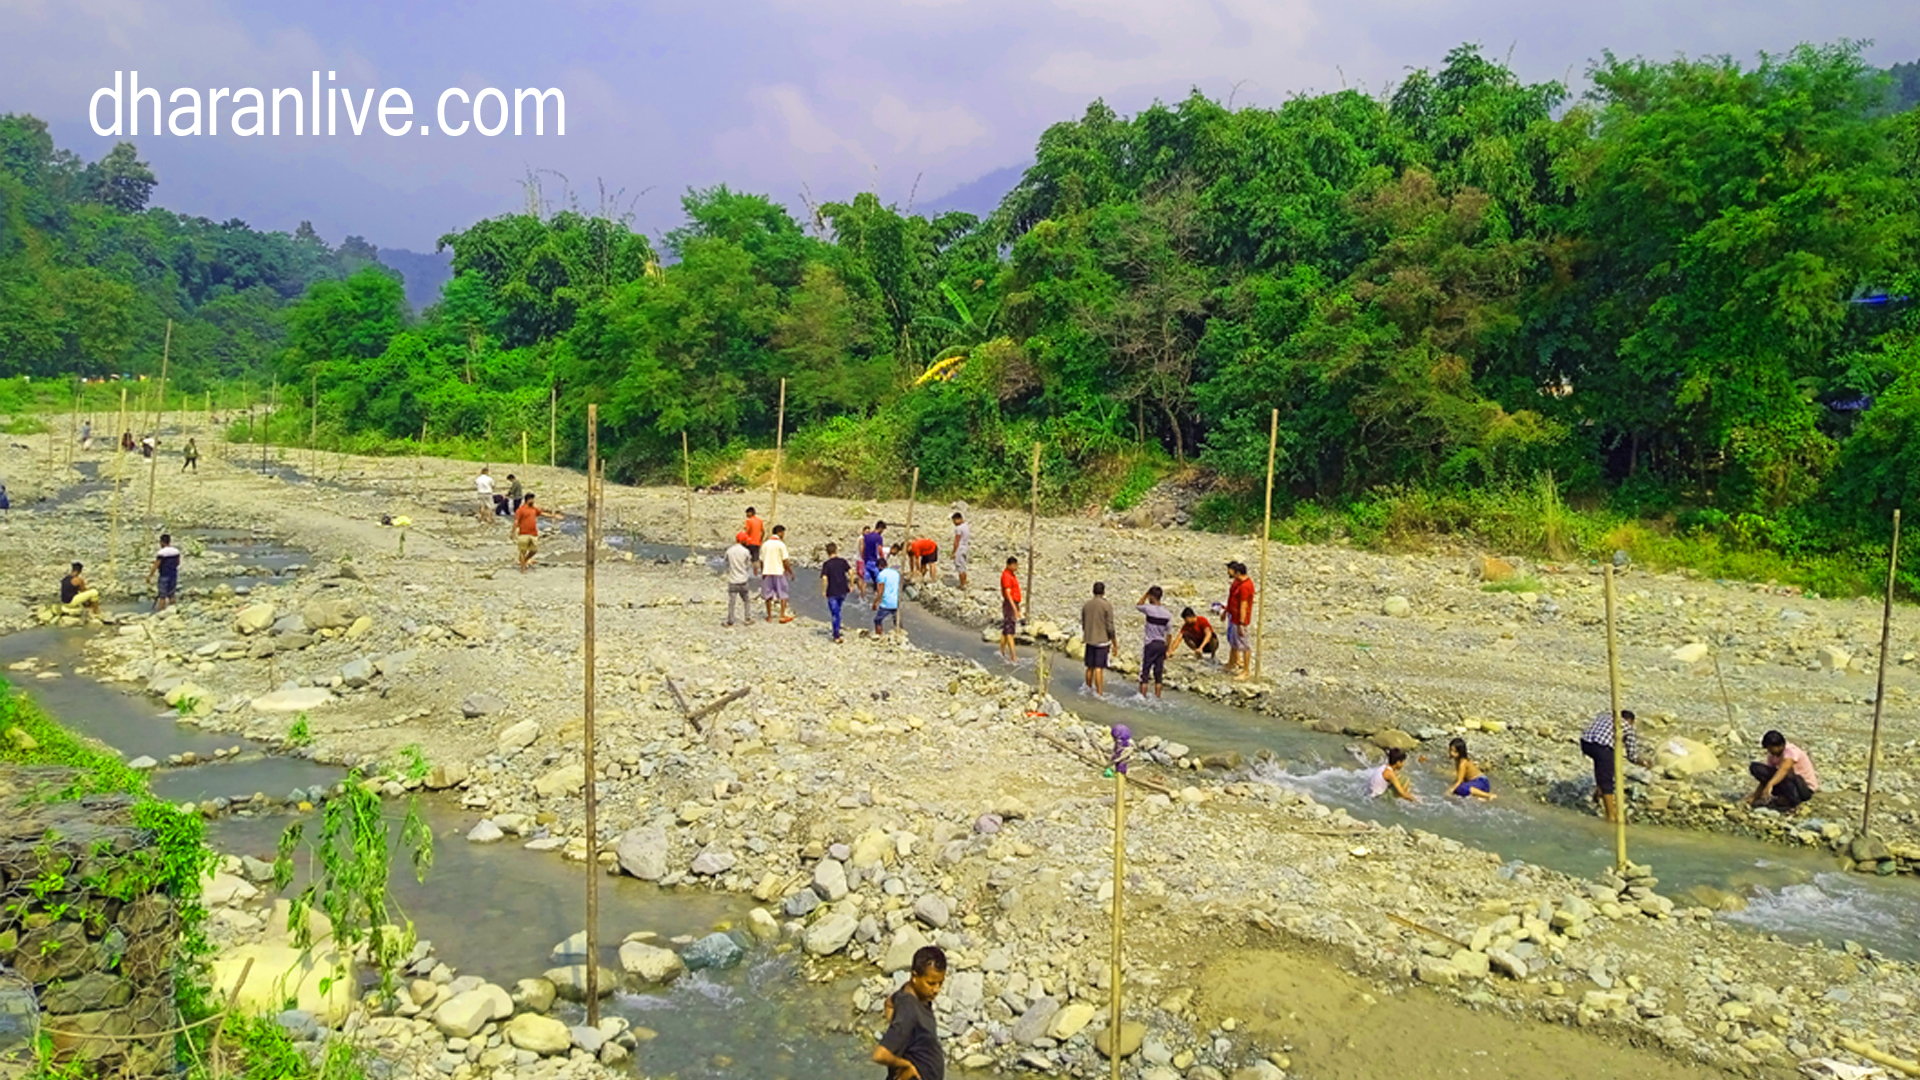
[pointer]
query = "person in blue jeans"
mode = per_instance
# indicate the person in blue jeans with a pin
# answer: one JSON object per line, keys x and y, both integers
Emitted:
{"x": 834, "y": 585}
{"x": 886, "y": 598}
{"x": 872, "y": 547}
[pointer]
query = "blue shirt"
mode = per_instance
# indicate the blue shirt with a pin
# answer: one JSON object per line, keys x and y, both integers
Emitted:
{"x": 870, "y": 546}
{"x": 890, "y": 588}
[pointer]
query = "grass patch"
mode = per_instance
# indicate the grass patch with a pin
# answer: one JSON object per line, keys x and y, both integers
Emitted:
{"x": 24, "y": 425}
{"x": 1514, "y": 585}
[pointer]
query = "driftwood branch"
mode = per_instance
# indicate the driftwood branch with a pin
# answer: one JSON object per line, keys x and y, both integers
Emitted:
{"x": 710, "y": 708}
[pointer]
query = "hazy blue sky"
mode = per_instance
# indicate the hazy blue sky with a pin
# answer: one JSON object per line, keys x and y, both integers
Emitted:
{"x": 779, "y": 95}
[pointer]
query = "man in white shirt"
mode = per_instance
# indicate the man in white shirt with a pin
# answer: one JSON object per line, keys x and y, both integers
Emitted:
{"x": 739, "y": 575}
{"x": 483, "y": 484}
{"x": 776, "y": 573}
{"x": 962, "y": 547}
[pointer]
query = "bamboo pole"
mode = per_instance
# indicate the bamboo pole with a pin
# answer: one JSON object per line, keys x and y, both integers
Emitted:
{"x": 1880, "y": 684}
{"x": 73, "y": 430}
{"x": 209, "y": 432}
{"x": 313, "y": 424}
{"x": 153, "y": 466}
{"x": 273, "y": 402}
{"x": 593, "y": 834}
{"x": 686, "y": 479}
{"x": 1119, "y": 889}
{"x": 1619, "y": 734}
{"x": 1266, "y": 532}
{"x": 523, "y": 448}
{"x": 119, "y": 469}
{"x": 1033, "y": 512}
{"x": 553, "y": 424}
{"x": 779, "y": 448}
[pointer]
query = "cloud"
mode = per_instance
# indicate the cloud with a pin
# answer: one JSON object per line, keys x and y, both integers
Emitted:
{"x": 927, "y": 131}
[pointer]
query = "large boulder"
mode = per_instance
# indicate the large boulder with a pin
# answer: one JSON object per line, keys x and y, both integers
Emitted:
{"x": 907, "y": 940}
{"x": 463, "y": 1015}
{"x": 1678, "y": 755}
{"x": 518, "y": 736}
{"x": 716, "y": 950}
{"x": 830, "y": 880}
{"x": 1394, "y": 739}
{"x": 254, "y": 619}
{"x": 650, "y": 962}
{"x": 564, "y": 780}
{"x": 1491, "y": 569}
{"x": 329, "y": 613}
{"x": 831, "y": 934}
{"x": 540, "y": 1034}
{"x": 570, "y": 982}
{"x": 642, "y": 852}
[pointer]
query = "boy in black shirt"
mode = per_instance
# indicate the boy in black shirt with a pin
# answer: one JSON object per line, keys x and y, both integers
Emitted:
{"x": 834, "y": 585}
{"x": 910, "y": 1049}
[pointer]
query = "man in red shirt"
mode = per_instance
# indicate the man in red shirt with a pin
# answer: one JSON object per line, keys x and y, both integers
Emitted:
{"x": 756, "y": 530}
{"x": 1239, "y": 618}
{"x": 925, "y": 553}
{"x": 1196, "y": 633}
{"x": 526, "y": 530}
{"x": 1009, "y": 608}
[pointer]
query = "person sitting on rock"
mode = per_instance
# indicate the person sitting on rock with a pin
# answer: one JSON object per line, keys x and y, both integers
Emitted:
{"x": 1387, "y": 776}
{"x": 1786, "y": 778}
{"x": 74, "y": 591}
{"x": 1468, "y": 780}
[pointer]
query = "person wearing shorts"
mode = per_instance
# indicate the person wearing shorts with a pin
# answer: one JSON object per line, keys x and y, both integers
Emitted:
{"x": 925, "y": 553}
{"x": 1153, "y": 655}
{"x": 1009, "y": 608}
{"x": 1597, "y": 743}
{"x": 962, "y": 544}
{"x": 1097, "y": 632}
{"x": 526, "y": 531}
{"x": 776, "y": 572}
{"x": 872, "y": 546}
{"x": 755, "y": 529}
{"x": 165, "y": 568}
{"x": 1239, "y": 617}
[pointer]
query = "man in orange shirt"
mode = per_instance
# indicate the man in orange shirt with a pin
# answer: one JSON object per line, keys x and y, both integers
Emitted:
{"x": 526, "y": 530}
{"x": 756, "y": 531}
{"x": 1009, "y": 608}
{"x": 925, "y": 553}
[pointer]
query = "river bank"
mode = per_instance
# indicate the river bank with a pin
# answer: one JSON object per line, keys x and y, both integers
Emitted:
{"x": 910, "y": 795}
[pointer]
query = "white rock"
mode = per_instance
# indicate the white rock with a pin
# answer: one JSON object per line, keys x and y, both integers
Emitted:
{"x": 650, "y": 962}
{"x": 485, "y": 833}
{"x": 831, "y": 934}
{"x": 519, "y": 735}
{"x": 296, "y": 700}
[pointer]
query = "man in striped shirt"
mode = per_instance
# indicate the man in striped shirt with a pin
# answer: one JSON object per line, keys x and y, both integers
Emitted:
{"x": 1597, "y": 743}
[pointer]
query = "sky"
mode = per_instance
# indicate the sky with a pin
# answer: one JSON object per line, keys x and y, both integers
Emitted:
{"x": 803, "y": 100}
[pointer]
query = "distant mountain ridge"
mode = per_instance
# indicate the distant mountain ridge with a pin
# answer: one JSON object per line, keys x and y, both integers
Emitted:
{"x": 424, "y": 272}
{"x": 979, "y": 197}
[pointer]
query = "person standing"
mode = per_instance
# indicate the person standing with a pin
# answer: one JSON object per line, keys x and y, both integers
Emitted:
{"x": 1786, "y": 778}
{"x": 483, "y": 486}
{"x": 834, "y": 585}
{"x": 86, "y": 435}
{"x": 74, "y": 590}
{"x": 165, "y": 568}
{"x": 147, "y": 445}
{"x": 962, "y": 546}
{"x": 1239, "y": 619}
{"x": 910, "y": 1048}
{"x": 739, "y": 577}
{"x": 1009, "y": 608}
{"x": 886, "y": 597}
{"x": 515, "y": 492}
{"x": 1597, "y": 743}
{"x": 526, "y": 530}
{"x": 190, "y": 457}
{"x": 756, "y": 530}
{"x": 776, "y": 572}
{"x": 1097, "y": 631}
{"x": 872, "y": 549}
{"x": 1153, "y": 654}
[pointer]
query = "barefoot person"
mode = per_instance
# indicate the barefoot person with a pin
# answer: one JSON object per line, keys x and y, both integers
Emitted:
{"x": 776, "y": 572}
{"x": 190, "y": 457}
{"x": 483, "y": 491}
{"x": 756, "y": 529}
{"x": 1009, "y": 608}
{"x": 1239, "y": 619}
{"x": 1597, "y": 743}
{"x": 834, "y": 585}
{"x": 873, "y": 544}
{"x": 75, "y": 591}
{"x": 1388, "y": 776}
{"x": 1153, "y": 654}
{"x": 1097, "y": 631}
{"x": 1786, "y": 778}
{"x": 1196, "y": 633}
{"x": 1468, "y": 780}
{"x": 166, "y": 569}
{"x": 886, "y": 597}
{"x": 526, "y": 530}
{"x": 739, "y": 578}
{"x": 925, "y": 553}
{"x": 910, "y": 1049}
{"x": 962, "y": 546}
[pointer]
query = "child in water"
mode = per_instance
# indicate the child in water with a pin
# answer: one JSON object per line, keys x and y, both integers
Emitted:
{"x": 1468, "y": 780}
{"x": 1387, "y": 776}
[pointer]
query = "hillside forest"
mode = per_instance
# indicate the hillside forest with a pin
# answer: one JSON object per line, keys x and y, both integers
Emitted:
{"x": 1676, "y": 309}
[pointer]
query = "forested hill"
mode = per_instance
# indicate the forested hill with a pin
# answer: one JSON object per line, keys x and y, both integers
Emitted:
{"x": 90, "y": 272}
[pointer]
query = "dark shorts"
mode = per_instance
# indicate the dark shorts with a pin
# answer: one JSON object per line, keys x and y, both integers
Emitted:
{"x": 169, "y": 584}
{"x": 1009, "y": 618}
{"x": 1212, "y": 646}
{"x": 1603, "y": 777}
{"x": 753, "y": 552}
{"x": 1153, "y": 663}
{"x": 1097, "y": 656}
{"x": 929, "y": 560}
{"x": 1790, "y": 792}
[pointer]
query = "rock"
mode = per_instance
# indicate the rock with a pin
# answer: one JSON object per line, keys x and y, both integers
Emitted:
{"x": 463, "y": 1015}
{"x": 446, "y": 775}
{"x": 359, "y": 628}
{"x": 477, "y": 705}
{"x": 762, "y": 924}
{"x": 185, "y": 692}
{"x": 301, "y": 699}
{"x": 650, "y": 962}
{"x": 1132, "y": 1034}
{"x": 1678, "y": 755}
{"x": 1834, "y": 658}
{"x": 1435, "y": 971}
{"x": 89, "y": 993}
{"x": 571, "y": 951}
{"x": 830, "y": 880}
{"x": 516, "y": 824}
{"x": 535, "y": 995}
{"x": 282, "y": 972}
{"x": 713, "y": 862}
{"x": 1866, "y": 848}
{"x": 518, "y": 736}
{"x": 227, "y": 889}
{"x": 801, "y": 904}
{"x": 357, "y": 673}
{"x": 1506, "y": 964}
{"x": 329, "y": 613}
{"x": 254, "y": 619}
{"x": 485, "y": 833}
{"x": 874, "y": 848}
{"x": 142, "y": 763}
{"x": 1033, "y": 1024}
{"x": 1260, "y": 1070}
{"x": 587, "y": 1038}
{"x": 899, "y": 955}
{"x": 831, "y": 934}
{"x": 1490, "y": 569}
{"x": 540, "y": 1034}
{"x": 642, "y": 852}
{"x": 1691, "y": 653}
{"x": 716, "y": 950}
{"x": 1394, "y": 739}
{"x": 1070, "y": 1021}
{"x": 1471, "y": 965}
{"x": 1397, "y": 606}
{"x": 570, "y": 982}
{"x": 394, "y": 663}
{"x": 931, "y": 910}
{"x": 564, "y": 780}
